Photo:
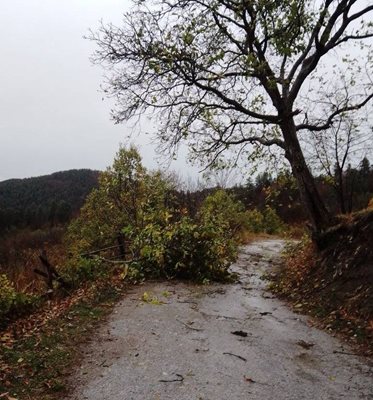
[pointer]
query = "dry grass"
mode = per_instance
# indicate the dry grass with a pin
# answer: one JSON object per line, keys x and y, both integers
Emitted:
{"x": 246, "y": 237}
{"x": 300, "y": 260}
{"x": 19, "y": 256}
{"x": 37, "y": 352}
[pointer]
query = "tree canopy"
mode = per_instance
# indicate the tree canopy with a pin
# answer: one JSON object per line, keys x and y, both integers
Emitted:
{"x": 242, "y": 75}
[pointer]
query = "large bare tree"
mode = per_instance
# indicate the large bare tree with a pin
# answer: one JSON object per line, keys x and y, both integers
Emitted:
{"x": 240, "y": 74}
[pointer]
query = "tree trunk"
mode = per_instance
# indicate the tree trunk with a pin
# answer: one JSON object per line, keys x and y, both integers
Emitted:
{"x": 319, "y": 215}
{"x": 351, "y": 184}
{"x": 340, "y": 191}
{"x": 121, "y": 245}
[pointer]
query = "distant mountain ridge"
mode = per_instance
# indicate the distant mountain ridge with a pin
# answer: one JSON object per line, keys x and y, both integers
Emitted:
{"x": 48, "y": 199}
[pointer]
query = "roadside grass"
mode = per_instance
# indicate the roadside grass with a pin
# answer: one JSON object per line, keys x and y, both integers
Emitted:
{"x": 36, "y": 365}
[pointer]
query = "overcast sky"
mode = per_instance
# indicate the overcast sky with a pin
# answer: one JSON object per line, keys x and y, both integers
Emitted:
{"x": 52, "y": 116}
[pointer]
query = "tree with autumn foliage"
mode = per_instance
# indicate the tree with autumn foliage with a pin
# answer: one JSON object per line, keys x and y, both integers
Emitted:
{"x": 241, "y": 76}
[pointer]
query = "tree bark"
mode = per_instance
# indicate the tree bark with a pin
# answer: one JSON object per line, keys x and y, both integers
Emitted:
{"x": 121, "y": 245}
{"x": 340, "y": 191}
{"x": 319, "y": 215}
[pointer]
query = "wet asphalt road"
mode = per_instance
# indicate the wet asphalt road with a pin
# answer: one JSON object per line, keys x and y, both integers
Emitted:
{"x": 184, "y": 349}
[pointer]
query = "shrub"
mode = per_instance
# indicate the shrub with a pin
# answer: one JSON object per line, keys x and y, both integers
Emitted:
{"x": 224, "y": 207}
{"x": 12, "y": 302}
{"x": 201, "y": 251}
{"x": 80, "y": 269}
{"x": 117, "y": 202}
{"x": 271, "y": 221}
{"x": 200, "y": 248}
{"x": 254, "y": 221}
{"x": 23, "y": 304}
{"x": 267, "y": 221}
{"x": 7, "y": 295}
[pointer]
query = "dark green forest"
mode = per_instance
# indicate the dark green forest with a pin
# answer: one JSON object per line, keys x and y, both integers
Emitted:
{"x": 45, "y": 200}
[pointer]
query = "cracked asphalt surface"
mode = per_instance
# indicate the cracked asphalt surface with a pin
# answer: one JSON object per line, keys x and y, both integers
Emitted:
{"x": 217, "y": 342}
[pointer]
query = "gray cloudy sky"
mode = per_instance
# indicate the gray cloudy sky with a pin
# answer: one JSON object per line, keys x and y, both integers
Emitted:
{"x": 52, "y": 116}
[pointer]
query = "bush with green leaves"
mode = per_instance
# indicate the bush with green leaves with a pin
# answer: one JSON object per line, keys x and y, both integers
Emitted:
{"x": 266, "y": 221}
{"x": 8, "y": 295}
{"x": 254, "y": 221}
{"x": 12, "y": 302}
{"x": 271, "y": 221}
{"x": 80, "y": 269}
{"x": 224, "y": 207}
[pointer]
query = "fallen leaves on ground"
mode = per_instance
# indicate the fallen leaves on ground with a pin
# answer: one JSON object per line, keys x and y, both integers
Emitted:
{"x": 36, "y": 350}
{"x": 151, "y": 299}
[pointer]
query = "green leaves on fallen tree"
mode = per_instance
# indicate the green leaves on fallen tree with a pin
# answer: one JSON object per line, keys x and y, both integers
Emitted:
{"x": 162, "y": 239}
{"x": 116, "y": 203}
{"x": 172, "y": 244}
{"x": 199, "y": 250}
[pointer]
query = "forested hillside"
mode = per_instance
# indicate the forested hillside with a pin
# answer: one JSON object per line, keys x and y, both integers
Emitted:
{"x": 44, "y": 200}
{"x": 351, "y": 193}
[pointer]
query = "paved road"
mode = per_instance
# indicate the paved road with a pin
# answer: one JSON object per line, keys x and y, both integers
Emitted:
{"x": 185, "y": 349}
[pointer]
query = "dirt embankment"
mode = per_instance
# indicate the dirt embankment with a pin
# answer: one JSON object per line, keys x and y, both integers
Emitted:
{"x": 337, "y": 284}
{"x": 346, "y": 265}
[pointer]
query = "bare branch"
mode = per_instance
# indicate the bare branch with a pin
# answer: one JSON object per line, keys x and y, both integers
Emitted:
{"x": 333, "y": 115}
